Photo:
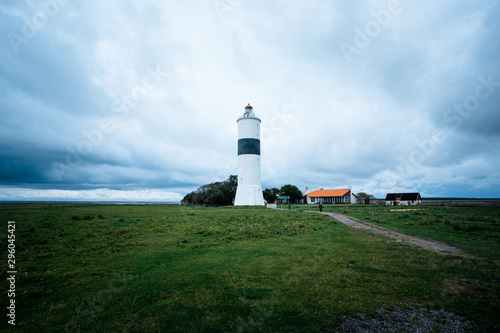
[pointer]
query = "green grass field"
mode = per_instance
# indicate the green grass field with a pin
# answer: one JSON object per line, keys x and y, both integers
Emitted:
{"x": 475, "y": 230}
{"x": 127, "y": 268}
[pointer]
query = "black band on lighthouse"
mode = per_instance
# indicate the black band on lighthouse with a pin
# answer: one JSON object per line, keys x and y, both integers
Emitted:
{"x": 248, "y": 146}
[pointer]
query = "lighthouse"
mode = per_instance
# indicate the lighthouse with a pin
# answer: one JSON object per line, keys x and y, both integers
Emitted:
{"x": 249, "y": 191}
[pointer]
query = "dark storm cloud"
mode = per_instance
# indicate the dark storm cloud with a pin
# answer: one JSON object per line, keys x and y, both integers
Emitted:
{"x": 379, "y": 119}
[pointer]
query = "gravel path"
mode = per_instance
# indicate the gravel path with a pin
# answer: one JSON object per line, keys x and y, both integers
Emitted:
{"x": 407, "y": 317}
{"x": 398, "y": 236}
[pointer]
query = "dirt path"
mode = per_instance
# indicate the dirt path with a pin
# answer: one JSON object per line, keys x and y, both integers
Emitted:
{"x": 398, "y": 236}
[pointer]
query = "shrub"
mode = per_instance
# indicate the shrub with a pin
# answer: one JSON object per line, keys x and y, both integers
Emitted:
{"x": 471, "y": 227}
{"x": 447, "y": 220}
{"x": 425, "y": 221}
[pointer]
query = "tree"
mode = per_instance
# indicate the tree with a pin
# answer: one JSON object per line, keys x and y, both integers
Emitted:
{"x": 364, "y": 197}
{"x": 222, "y": 194}
{"x": 188, "y": 198}
{"x": 201, "y": 194}
{"x": 218, "y": 193}
{"x": 292, "y": 191}
{"x": 270, "y": 194}
{"x": 231, "y": 185}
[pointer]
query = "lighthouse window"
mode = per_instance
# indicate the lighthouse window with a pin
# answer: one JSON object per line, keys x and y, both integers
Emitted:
{"x": 249, "y": 146}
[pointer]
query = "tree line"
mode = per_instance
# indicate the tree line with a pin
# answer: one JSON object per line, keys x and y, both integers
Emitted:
{"x": 223, "y": 193}
{"x": 214, "y": 194}
{"x": 271, "y": 194}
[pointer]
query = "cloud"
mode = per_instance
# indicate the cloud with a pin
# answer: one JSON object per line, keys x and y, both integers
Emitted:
{"x": 82, "y": 107}
{"x": 103, "y": 194}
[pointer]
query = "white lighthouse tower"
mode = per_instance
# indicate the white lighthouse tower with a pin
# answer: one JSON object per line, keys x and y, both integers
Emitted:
{"x": 249, "y": 191}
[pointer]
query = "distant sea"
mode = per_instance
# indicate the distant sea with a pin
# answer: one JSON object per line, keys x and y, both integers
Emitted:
{"x": 462, "y": 199}
{"x": 95, "y": 202}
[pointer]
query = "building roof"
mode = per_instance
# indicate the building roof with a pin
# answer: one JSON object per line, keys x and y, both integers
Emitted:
{"x": 402, "y": 196}
{"x": 249, "y": 106}
{"x": 328, "y": 193}
{"x": 306, "y": 191}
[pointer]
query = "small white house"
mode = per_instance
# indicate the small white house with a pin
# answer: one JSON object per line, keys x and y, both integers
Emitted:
{"x": 403, "y": 199}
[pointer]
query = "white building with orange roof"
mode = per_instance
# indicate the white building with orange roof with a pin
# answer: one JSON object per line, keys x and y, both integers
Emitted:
{"x": 337, "y": 196}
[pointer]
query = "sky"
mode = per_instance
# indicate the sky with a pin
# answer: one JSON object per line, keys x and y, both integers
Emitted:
{"x": 138, "y": 100}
